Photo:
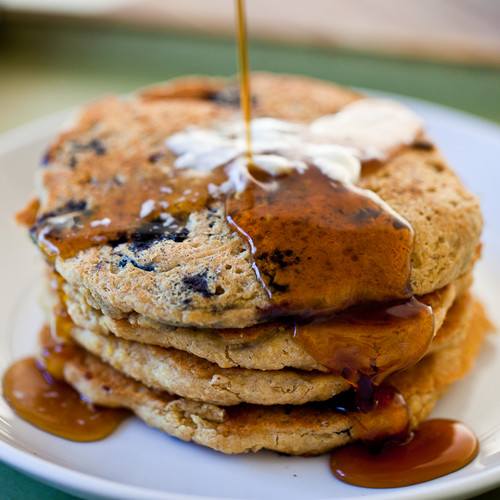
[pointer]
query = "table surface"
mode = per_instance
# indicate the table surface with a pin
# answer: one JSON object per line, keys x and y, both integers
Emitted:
{"x": 46, "y": 66}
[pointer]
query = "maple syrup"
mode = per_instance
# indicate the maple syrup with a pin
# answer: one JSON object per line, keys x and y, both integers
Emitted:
{"x": 139, "y": 210}
{"x": 38, "y": 394}
{"x": 55, "y": 407}
{"x": 436, "y": 448}
{"x": 386, "y": 421}
{"x": 320, "y": 246}
{"x": 245, "y": 91}
{"x": 56, "y": 351}
{"x": 367, "y": 344}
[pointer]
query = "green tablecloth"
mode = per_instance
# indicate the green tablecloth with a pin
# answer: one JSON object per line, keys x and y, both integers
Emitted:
{"x": 46, "y": 66}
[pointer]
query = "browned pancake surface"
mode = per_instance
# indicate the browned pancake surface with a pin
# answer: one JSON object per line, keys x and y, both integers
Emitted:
{"x": 202, "y": 276}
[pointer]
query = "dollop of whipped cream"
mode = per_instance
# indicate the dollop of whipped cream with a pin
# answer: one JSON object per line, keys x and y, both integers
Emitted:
{"x": 336, "y": 144}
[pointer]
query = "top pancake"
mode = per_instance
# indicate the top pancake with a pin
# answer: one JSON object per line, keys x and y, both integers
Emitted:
{"x": 202, "y": 276}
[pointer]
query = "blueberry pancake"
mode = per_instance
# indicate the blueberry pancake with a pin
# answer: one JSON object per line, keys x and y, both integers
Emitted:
{"x": 198, "y": 271}
{"x": 271, "y": 300}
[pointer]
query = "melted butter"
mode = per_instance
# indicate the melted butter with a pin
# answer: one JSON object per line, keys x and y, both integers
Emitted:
{"x": 375, "y": 127}
{"x": 437, "y": 448}
{"x": 278, "y": 148}
{"x": 369, "y": 131}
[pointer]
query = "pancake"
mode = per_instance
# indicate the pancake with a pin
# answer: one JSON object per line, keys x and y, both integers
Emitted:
{"x": 195, "y": 378}
{"x": 306, "y": 429}
{"x": 201, "y": 275}
{"x": 183, "y": 374}
{"x": 177, "y": 310}
{"x": 268, "y": 346}
{"x": 295, "y": 98}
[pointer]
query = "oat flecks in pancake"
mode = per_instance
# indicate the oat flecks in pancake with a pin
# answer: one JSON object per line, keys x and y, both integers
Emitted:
{"x": 305, "y": 429}
{"x": 195, "y": 378}
{"x": 206, "y": 280}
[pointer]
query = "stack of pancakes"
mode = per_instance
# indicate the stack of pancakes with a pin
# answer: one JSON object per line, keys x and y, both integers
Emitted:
{"x": 170, "y": 323}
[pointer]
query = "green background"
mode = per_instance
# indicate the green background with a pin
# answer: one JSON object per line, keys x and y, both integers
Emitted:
{"x": 51, "y": 64}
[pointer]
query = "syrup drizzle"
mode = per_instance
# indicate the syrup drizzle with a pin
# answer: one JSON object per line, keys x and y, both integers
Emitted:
{"x": 138, "y": 210}
{"x": 320, "y": 246}
{"x": 367, "y": 344}
{"x": 386, "y": 422}
{"x": 245, "y": 96}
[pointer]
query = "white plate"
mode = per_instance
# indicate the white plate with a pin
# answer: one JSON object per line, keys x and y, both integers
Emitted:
{"x": 140, "y": 462}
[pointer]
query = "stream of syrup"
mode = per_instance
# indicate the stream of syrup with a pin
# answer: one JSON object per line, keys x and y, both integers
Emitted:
{"x": 245, "y": 89}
